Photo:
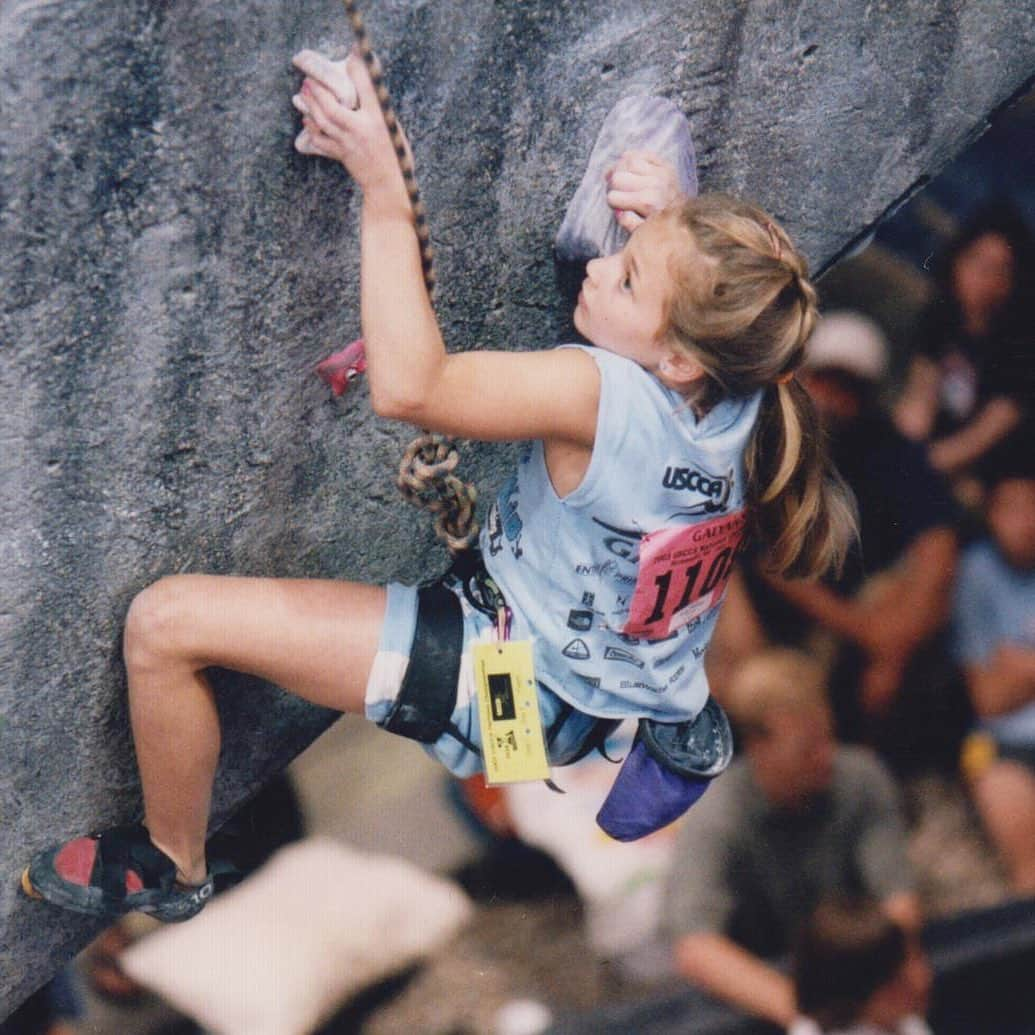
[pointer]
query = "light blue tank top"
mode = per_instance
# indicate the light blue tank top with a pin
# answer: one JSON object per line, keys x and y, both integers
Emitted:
{"x": 619, "y": 583}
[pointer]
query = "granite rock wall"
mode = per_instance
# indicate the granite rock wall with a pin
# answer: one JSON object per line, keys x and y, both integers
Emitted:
{"x": 170, "y": 270}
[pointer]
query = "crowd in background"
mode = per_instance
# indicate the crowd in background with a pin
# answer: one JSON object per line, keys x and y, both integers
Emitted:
{"x": 919, "y": 657}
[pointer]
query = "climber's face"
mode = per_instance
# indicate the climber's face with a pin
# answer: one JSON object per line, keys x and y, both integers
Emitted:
{"x": 623, "y": 299}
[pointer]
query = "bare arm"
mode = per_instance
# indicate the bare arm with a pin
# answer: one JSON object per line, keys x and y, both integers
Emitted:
{"x": 836, "y": 613}
{"x": 1005, "y": 682}
{"x": 891, "y": 623}
{"x": 720, "y": 966}
{"x": 550, "y": 395}
{"x": 920, "y": 603}
{"x": 917, "y": 406}
{"x": 902, "y": 618}
{"x": 992, "y": 423}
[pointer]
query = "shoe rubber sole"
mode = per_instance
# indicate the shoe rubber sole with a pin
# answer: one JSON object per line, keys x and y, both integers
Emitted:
{"x": 27, "y": 888}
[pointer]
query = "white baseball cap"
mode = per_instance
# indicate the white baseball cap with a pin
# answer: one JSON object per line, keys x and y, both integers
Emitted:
{"x": 848, "y": 341}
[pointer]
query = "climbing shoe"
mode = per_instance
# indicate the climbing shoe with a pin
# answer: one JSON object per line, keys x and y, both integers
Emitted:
{"x": 115, "y": 872}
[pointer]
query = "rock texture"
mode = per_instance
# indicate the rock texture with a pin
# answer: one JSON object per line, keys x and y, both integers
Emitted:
{"x": 170, "y": 270}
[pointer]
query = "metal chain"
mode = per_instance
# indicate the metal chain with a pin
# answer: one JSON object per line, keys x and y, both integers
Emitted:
{"x": 426, "y": 476}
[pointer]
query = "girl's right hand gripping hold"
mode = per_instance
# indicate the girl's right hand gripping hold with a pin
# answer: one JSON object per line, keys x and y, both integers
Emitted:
{"x": 356, "y": 137}
{"x": 639, "y": 184}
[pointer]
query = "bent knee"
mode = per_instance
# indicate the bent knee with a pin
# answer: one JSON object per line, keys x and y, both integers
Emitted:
{"x": 157, "y": 622}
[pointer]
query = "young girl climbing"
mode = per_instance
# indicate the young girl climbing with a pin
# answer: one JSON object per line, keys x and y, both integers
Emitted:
{"x": 654, "y": 452}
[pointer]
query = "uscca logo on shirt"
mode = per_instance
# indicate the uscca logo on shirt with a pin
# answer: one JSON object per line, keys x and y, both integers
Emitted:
{"x": 716, "y": 487}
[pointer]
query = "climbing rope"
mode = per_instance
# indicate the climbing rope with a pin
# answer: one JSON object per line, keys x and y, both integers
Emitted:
{"x": 426, "y": 476}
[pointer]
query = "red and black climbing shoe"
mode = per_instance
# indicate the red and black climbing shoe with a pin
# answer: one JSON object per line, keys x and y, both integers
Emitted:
{"x": 118, "y": 871}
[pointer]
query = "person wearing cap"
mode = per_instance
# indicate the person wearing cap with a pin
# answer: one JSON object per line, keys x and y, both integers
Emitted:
{"x": 892, "y": 683}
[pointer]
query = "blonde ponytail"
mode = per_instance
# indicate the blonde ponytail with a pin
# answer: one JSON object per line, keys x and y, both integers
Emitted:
{"x": 801, "y": 509}
{"x": 745, "y": 314}
{"x": 791, "y": 445}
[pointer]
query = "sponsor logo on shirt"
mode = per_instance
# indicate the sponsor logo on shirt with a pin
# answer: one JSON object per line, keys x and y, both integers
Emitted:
{"x": 577, "y": 650}
{"x": 604, "y": 568}
{"x": 504, "y": 520}
{"x": 629, "y": 684}
{"x": 580, "y": 621}
{"x": 621, "y": 654}
{"x": 675, "y": 675}
{"x": 622, "y": 542}
{"x": 715, "y": 488}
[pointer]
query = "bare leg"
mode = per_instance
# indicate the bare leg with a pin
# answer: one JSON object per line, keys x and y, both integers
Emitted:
{"x": 1005, "y": 796}
{"x": 315, "y": 638}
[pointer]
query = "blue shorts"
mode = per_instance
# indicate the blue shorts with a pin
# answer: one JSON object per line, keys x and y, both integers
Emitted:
{"x": 569, "y": 732}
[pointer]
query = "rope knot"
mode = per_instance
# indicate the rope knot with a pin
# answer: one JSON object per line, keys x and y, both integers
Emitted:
{"x": 426, "y": 480}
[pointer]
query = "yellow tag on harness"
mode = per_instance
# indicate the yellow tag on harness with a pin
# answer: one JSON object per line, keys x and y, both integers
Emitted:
{"x": 508, "y": 710}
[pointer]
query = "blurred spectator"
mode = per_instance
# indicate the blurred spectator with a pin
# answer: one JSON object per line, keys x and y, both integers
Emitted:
{"x": 995, "y": 642}
{"x": 857, "y": 972}
{"x": 969, "y": 391}
{"x": 881, "y": 623}
{"x": 797, "y": 818}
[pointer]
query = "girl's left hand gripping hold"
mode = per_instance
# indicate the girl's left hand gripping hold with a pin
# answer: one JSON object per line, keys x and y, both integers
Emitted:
{"x": 639, "y": 184}
{"x": 356, "y": 137}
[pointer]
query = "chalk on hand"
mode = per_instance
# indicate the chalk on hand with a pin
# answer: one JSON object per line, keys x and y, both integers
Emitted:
{"x": 643, "y": 123}
{"x": 331, "y": 74}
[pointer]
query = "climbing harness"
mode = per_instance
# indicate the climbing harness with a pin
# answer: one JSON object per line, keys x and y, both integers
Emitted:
{"x": 426, "y": 477}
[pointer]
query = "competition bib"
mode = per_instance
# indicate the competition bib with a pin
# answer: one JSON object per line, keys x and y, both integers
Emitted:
{"x": 683, "y": 574}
